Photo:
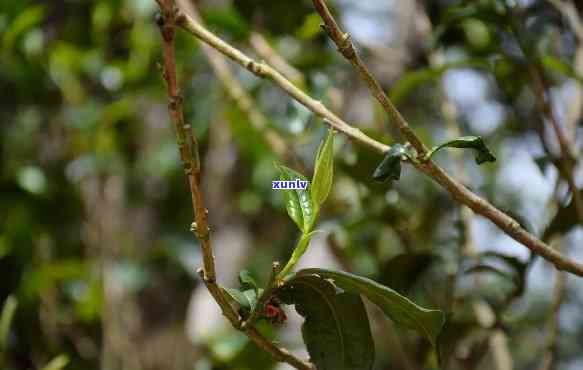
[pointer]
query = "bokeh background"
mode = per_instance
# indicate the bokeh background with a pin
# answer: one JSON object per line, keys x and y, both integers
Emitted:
{"x": 97, "y": 263}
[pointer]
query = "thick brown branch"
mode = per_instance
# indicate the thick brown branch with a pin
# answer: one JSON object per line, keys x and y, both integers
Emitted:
{"x": 187, "y": 143}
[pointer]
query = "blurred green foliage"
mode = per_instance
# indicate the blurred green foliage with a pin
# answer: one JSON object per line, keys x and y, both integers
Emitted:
{"x": 97, "y": 262}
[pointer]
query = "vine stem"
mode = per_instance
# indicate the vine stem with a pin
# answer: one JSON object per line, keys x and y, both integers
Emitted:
{"x": 188, "y": 149}
{"x": 458, "y": 191}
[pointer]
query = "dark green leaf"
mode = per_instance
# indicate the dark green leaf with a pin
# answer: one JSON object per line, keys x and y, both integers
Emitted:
{"x": 399, "y": 308}
{"x": 336, "y": 329}
{"x": 403, "y": 271}
{"x": 298, "y": 202}
{"x": 390, "y": 166}
{"x": 323, "y": 171}
{"x": 8, "y": 311}
{"x": 511, "y": 269}
{"x": 483, "y": 154}
{"x": 565, "y": 219}
{"x": 488, "y": 268}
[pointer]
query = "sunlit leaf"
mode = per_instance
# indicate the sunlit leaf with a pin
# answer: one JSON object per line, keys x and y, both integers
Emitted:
{"x": 323, "y": 171}
{"x": 298, "y": 202}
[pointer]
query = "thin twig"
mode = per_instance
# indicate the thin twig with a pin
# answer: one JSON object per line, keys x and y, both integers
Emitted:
{"x": 265, "y": 51}
{"x": 498, "y": 339}
{"x": 265, "y": 296}
{"x": 237, "y": 93}
{"x": 263, "y": 70}
{"x": 345, "y": 46}
{"x": 461, "y": 193}
{"x": 569, "y": 11}
{"x": 568, "y": 158}
{"x": 553, "y": 322}
{"x": 456, "y": 189}
{"x": 189, "y": 155}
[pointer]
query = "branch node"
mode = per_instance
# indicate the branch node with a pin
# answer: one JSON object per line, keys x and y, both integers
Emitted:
{"x": 255, "y": 68}
{"x": 346, "y": 47}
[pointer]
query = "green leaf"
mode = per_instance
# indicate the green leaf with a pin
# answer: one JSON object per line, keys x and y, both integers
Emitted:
{"x": 245, "y": 299}
{"x": 400, "y": 309}
{"x": 247, "y": 281}
{"x": 483, "y": 154}
{"x": 8, "y": 311}
{"x": 564, "y": 220}
{"x": 390, "y": 166}
{"x": 57, "y": 363}
{"x": 298, "y": 201}
{"x": 404, "y": 270}
{"x": 323, "y": 171}
{"x": 30, "y": 17}
{"x": 412, "y": 80}
{"x": 507, "y": 267}
{"x": 557, "y": 65}
{"x": 336, "y": 329}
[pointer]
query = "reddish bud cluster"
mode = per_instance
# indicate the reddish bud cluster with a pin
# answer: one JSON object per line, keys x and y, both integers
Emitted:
{"x": 274, "y": 312}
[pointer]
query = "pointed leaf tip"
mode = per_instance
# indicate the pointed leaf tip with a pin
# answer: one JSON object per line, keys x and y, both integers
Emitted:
{"x": 323, "y": 170}
{"x": 483, "y": 153}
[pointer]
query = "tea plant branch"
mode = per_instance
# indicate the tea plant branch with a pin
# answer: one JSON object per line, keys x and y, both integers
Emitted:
{"x": 236, "y": 92}
{"x": 569, "y": 11}
{"x": 189, "y": 155}
{"x": 265, "y": 51}
{"x": 553, "y": 322}
{"x": 458, "y": 191}
{"x": 265, "y": 296}
{"x": 278, "y": 353}
{"x": 568, "y": 158}
{"x": 498, "y": 339}
{"x": 263, "y": 70}
{"x": 347, "y": 49}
